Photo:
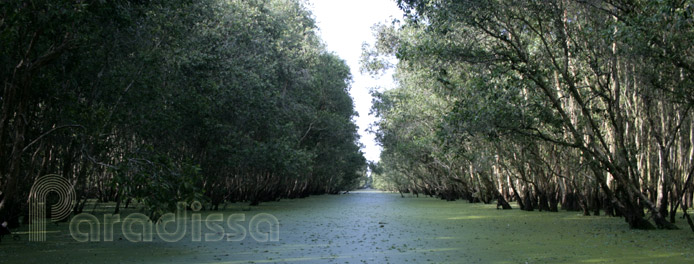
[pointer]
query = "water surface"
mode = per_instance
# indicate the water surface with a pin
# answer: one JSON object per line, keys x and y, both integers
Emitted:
{"x": 376, "y": 227}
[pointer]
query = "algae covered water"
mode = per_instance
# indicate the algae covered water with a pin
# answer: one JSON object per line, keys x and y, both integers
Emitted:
{"x": 376, "y": 227}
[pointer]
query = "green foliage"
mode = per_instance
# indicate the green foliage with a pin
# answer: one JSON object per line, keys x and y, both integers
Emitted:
{"x": 540, "y": 101}
{"x": 173, "y": 101}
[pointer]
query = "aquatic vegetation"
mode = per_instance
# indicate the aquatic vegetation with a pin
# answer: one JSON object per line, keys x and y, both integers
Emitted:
{"x": 376, "y": 227}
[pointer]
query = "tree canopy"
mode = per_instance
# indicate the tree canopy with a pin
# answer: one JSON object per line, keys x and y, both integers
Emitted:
{"x": 583, "y": 104}
{"x": 168, "y": 101}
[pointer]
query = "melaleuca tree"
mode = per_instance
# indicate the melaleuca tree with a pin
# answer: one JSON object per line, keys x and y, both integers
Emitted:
{"x": 168, "y": 101}
{"x": 593, "y": 82}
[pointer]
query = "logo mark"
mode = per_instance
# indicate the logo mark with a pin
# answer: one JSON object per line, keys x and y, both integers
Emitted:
{"x": 138, "y": 227}
{"x": 37, "y": 203}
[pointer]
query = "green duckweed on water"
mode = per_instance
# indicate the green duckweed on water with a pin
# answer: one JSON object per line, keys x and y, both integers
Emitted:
{"x": 376, "y": 227}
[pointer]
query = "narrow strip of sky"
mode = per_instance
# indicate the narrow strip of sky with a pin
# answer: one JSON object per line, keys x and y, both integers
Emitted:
{"x": 344, "y": 26}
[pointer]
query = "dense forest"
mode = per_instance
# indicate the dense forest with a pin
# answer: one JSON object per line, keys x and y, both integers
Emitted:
{"x": 581, "y": 105}
{"x": 157, "y": 102}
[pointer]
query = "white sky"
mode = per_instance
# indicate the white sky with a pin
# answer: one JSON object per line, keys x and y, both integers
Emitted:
{"x": 344, "y": 26}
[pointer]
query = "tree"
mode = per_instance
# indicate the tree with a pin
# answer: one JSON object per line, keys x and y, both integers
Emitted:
{"x": 169, "y": 101}
{"x": 529, "y": 81}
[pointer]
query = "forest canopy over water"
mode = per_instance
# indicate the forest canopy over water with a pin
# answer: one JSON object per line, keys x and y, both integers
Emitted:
{"x": 172, "y": 101}
{"x": 579, "y": 105}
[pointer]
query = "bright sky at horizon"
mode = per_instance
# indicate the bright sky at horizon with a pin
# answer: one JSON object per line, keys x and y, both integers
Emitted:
{"x": 344, "y": 26}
